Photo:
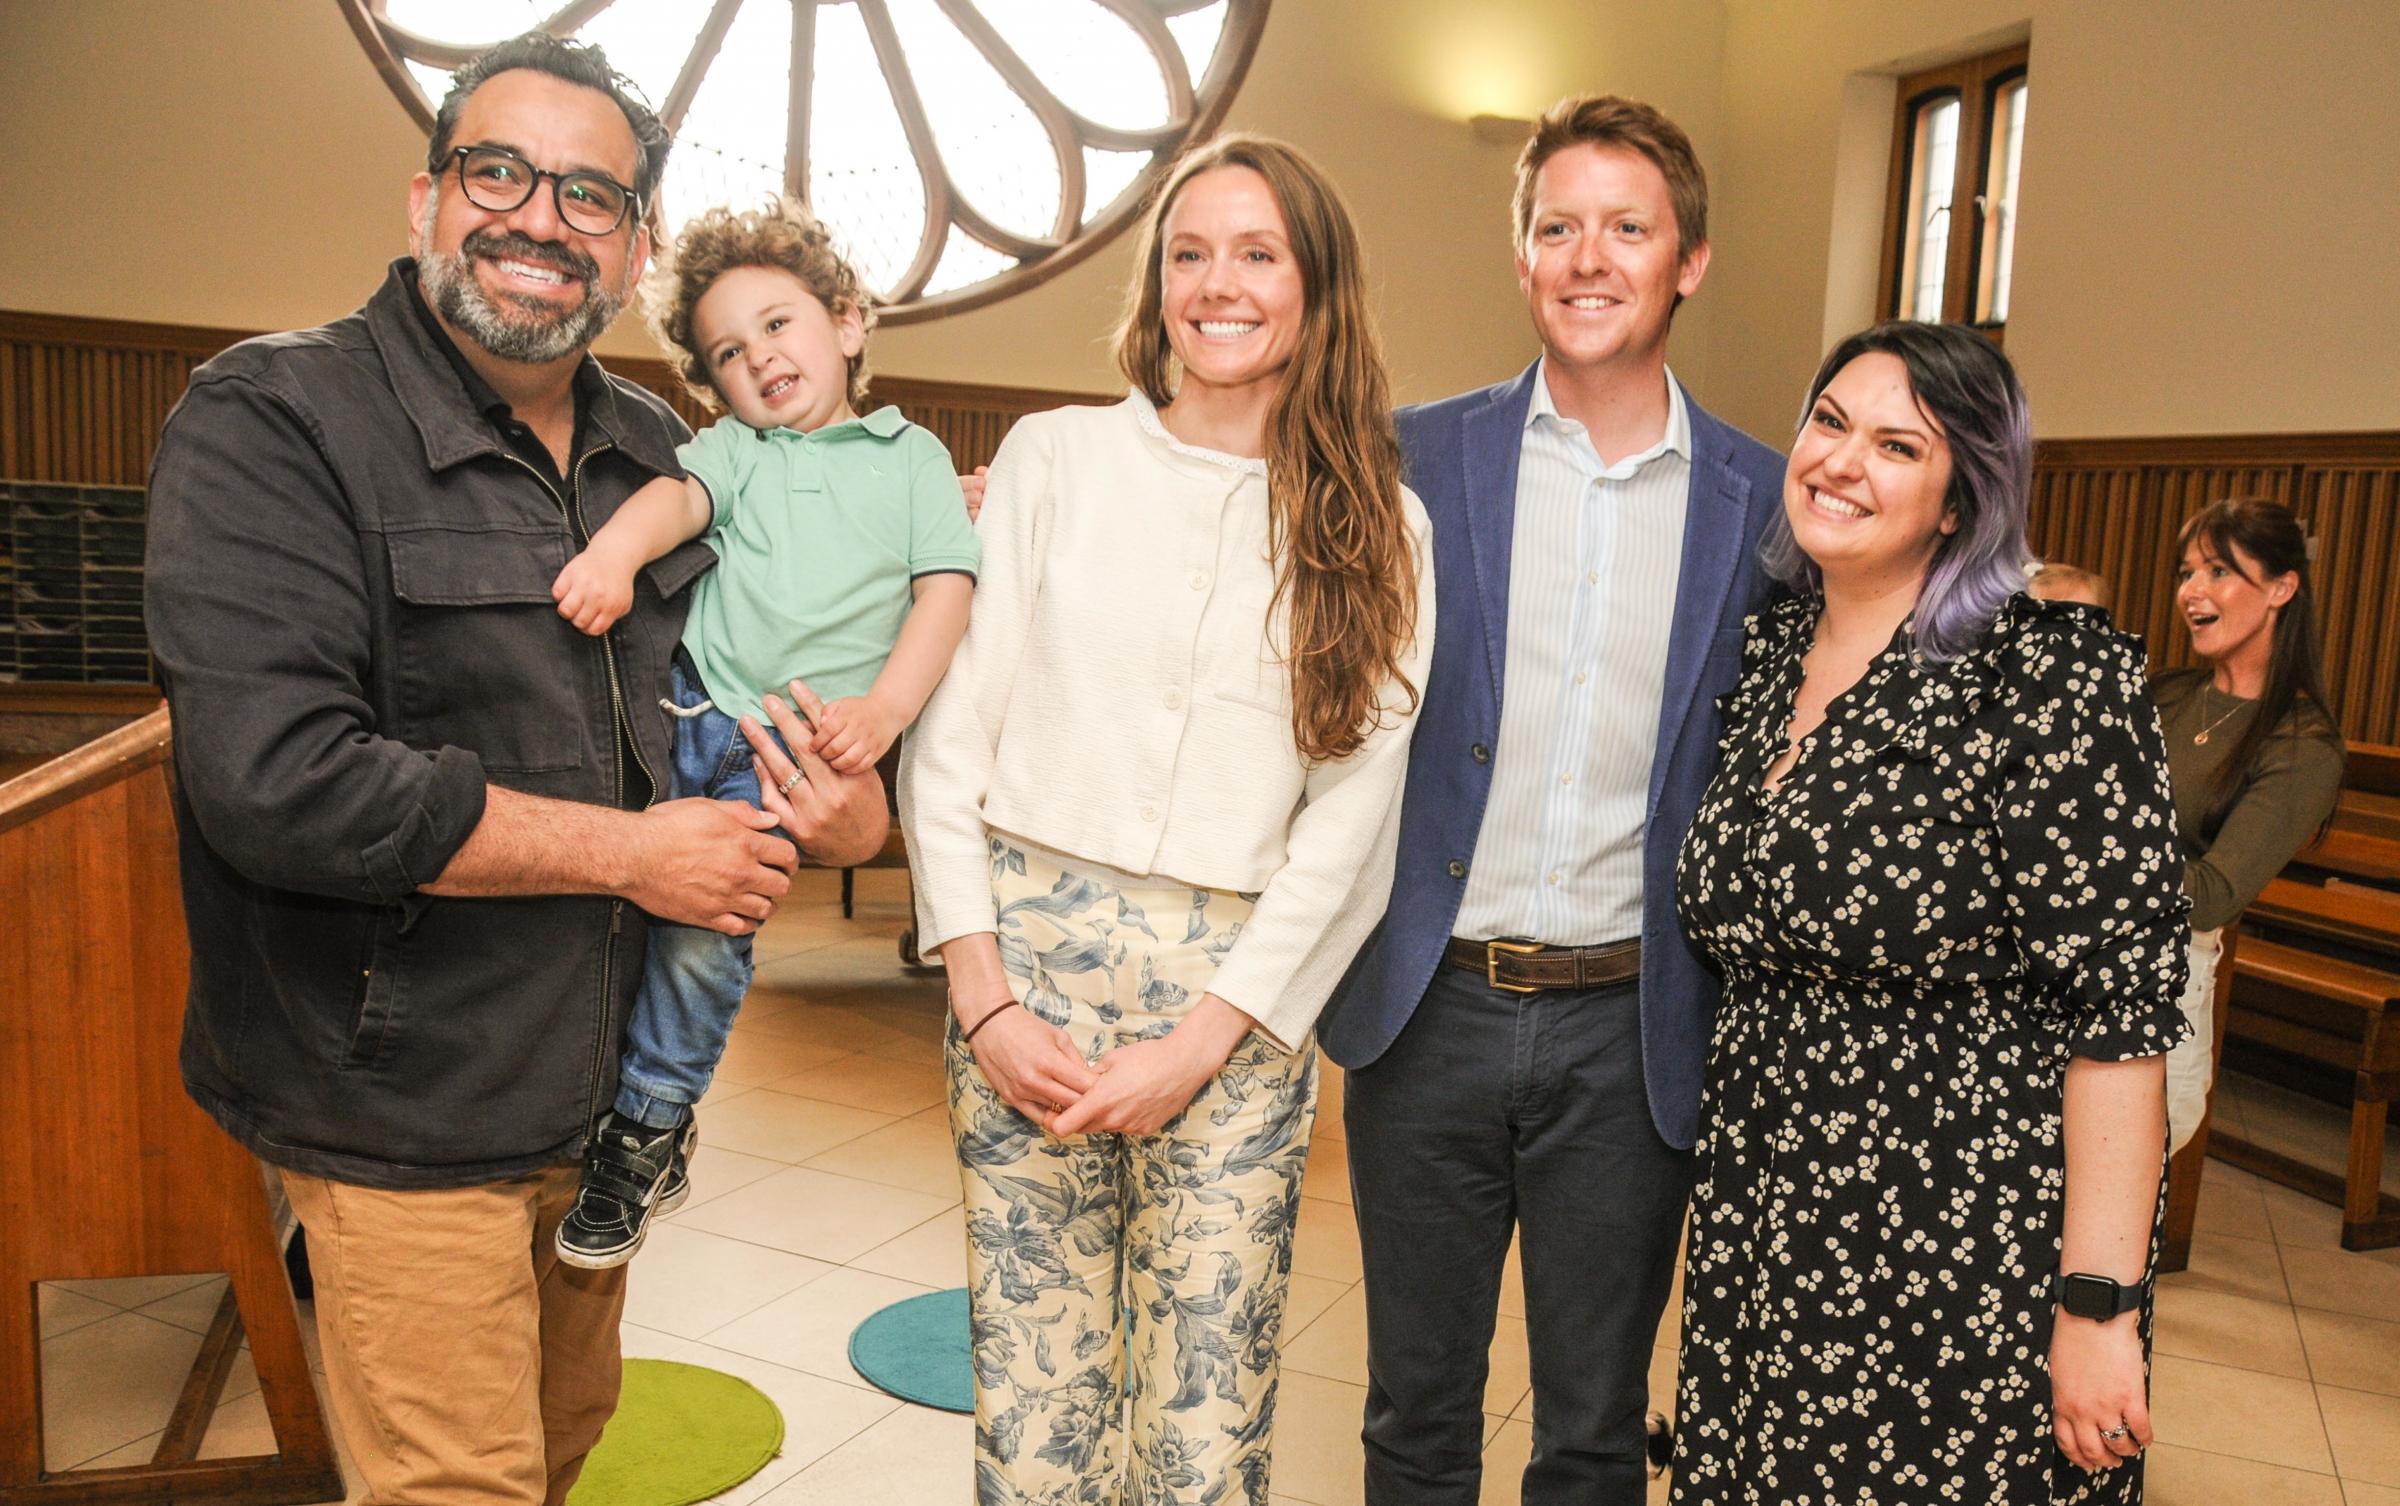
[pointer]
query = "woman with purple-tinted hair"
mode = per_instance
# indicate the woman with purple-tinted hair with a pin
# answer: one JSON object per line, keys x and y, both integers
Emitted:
{"x": 1938, "y": 871}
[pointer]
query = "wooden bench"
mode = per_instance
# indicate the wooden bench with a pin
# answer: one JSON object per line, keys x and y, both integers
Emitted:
{"x": 2370, "y": 799}
{"x": 2344, "y": 852}
{"x": 2352, "y": 915}
{"x": 2338, "y": 1013}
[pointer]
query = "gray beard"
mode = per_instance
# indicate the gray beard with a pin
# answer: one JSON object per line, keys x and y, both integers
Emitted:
{"x": 521, "y": 330}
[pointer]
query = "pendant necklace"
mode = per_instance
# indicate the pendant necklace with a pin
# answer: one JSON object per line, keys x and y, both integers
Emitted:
{"x": 2200, "y": 738}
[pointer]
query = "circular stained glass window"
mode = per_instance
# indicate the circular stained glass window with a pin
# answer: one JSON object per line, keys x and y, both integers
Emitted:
{"x": 962, "y": 150}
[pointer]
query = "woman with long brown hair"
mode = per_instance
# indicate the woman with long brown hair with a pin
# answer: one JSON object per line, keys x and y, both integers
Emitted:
{"x": 2252, "y": 746}
{"x": 1150, "y": 815}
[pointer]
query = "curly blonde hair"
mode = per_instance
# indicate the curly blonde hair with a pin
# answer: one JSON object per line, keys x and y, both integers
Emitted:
{"x": 782, "y": 234}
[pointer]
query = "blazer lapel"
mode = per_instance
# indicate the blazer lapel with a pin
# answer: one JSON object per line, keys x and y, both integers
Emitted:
{"x": 1713, "y": 535}
{"x": 1489, "y": 450}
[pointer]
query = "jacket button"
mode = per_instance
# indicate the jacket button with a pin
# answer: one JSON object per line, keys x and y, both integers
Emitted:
{"x": 1457, "y": 869}
{"x": 1480, "y": 753}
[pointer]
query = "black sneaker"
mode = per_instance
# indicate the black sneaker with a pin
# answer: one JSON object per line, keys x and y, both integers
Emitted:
{"x": 630, "y": 1172}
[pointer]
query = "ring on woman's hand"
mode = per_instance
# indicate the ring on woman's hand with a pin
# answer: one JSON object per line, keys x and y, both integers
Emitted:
{"x": 2119, "y": 1431}
{"x": 790, "y": 784}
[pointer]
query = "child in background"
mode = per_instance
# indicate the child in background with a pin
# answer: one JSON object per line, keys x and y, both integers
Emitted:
{"x": 846, "y": 559}
{"x": 2052, "y": 581}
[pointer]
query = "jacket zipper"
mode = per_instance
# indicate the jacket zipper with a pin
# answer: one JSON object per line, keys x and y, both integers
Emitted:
{"x": 579, "y": 529}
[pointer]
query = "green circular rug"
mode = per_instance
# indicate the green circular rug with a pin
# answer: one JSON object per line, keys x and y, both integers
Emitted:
{"x": 917, "y": 1351}
{"x": 681, "y": 1434}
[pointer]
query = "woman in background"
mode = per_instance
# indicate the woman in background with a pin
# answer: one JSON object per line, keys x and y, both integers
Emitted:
{"x": 2251, "y": 743}
{"x": 1937, "y": 868}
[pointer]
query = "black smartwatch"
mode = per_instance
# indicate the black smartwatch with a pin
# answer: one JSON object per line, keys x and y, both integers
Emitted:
{"x": 2096, "y": 1297}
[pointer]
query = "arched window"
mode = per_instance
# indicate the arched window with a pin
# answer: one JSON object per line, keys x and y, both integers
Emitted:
{"x": 962, "y": 150}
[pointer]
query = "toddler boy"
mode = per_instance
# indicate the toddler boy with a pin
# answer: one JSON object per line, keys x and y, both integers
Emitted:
{"x": 846, "y": 559}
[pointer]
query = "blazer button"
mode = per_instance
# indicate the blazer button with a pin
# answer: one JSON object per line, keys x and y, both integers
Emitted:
{"x": 1457, "y": 869}
{"x": 1480, "y": 753}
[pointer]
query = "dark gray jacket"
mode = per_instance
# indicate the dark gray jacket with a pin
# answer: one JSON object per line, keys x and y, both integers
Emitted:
{"x": 348, "y": 594}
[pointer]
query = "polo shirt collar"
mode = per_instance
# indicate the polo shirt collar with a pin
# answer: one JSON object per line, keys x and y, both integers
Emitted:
{"x": 884, "y": 423}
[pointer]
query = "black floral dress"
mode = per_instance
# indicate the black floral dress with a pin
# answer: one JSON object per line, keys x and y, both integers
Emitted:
{"x": 1968, "y": 877}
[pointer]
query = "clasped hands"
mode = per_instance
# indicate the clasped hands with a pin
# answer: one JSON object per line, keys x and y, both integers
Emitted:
{"x": 1134, "y": 1089}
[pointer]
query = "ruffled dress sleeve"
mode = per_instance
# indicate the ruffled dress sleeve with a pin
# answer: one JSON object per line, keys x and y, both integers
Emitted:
{"x": 2088, "y": 856}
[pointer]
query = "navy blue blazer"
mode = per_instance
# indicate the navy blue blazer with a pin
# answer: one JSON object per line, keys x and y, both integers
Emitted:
{"x": 1461, "y": 458}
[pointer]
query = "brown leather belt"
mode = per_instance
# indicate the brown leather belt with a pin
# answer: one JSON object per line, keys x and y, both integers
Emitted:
{"x": 1527, "y": 967}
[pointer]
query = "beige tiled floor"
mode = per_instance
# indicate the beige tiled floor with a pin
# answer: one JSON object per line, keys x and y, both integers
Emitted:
{"x": 826, "y": 1190}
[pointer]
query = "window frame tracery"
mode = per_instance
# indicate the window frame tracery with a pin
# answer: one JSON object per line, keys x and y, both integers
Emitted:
{"x": 1194, "y": 110}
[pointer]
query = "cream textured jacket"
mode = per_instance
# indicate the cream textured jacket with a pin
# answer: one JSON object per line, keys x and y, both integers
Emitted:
{"x": 1119, "y": 698}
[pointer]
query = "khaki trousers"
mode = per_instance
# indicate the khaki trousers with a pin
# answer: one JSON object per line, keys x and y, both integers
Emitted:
{"x": 466, "y": 1364}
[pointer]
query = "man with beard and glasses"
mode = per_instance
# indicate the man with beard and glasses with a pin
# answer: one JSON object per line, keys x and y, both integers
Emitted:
{"x": 419, "y": 813}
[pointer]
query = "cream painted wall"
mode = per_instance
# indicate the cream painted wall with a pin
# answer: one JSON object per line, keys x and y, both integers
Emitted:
{"x": 2210, "y": 221}
{"x": 2208, "y": 237}
{"x": 186, "y": 108}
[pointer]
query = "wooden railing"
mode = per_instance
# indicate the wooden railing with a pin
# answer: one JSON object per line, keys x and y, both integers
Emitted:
{"x": 121, "y": 1174}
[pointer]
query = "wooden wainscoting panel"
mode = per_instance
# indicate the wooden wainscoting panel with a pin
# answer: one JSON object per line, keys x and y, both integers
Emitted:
{"x": 2094, "y": 516}
{"x": 2354, "y": 513}
{"x": 82, "y": 400}
{"x": 2115, "y": 506}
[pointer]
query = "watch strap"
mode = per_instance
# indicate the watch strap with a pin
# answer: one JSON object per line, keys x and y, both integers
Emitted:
{"x": 2094, "y": 1292}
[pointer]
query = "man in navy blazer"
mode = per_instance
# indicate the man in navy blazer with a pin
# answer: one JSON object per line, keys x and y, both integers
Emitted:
{"x": 1525, "y": 1032}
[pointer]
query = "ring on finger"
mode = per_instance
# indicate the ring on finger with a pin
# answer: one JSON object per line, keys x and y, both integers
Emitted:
{"x": 792, "y": 783}
{"x": 2113, "y": 1434}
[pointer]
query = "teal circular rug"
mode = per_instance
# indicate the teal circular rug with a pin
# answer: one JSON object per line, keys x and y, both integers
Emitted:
{"x": 681, "y": 1433}
{"x": 917, "y": 1350}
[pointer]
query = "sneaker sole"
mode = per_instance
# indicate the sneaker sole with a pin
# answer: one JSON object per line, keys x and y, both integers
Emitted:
{"x": 584, "y": 1260}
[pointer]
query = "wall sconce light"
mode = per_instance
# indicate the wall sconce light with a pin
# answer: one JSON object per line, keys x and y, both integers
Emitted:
{"x": 1500, "y": 130}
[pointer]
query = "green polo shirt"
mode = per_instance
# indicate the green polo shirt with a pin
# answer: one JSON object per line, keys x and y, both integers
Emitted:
{"x": 818, "y": 537}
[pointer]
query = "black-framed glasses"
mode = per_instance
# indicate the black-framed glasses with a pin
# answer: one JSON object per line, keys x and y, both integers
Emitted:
{"x": 497, "y": 179}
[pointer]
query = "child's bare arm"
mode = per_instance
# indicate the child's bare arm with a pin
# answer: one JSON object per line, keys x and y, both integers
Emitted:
{"x": 858, "y": 731}
{"x": 596, "y": 588}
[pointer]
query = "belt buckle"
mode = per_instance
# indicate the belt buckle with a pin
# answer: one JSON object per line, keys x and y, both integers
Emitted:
{"x": 1494, "y": 950}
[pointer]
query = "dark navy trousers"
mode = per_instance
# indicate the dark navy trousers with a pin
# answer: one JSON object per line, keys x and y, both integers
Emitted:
{"x": 1496, "y": 1111}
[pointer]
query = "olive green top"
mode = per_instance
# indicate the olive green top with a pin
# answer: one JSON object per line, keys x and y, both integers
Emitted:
{"x": 2290, "y": 791}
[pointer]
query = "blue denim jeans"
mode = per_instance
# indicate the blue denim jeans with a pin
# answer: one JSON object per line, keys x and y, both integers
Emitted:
{"x": 693, "y": 979}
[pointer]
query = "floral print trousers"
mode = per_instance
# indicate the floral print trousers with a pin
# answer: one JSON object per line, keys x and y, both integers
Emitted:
{"x": 1126, "y": 1290}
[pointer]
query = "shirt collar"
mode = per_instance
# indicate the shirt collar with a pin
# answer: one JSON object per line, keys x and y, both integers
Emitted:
{"x": 594, "y": 396}
{"x": 1145, "y": 416}
{"x": 883, "y": 423}
{"x": 1677, "y": 439}
{"x": 479, "y": 392}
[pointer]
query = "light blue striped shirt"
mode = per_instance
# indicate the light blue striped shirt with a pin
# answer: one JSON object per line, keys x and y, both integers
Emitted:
{"x": 1591, "y": 596}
